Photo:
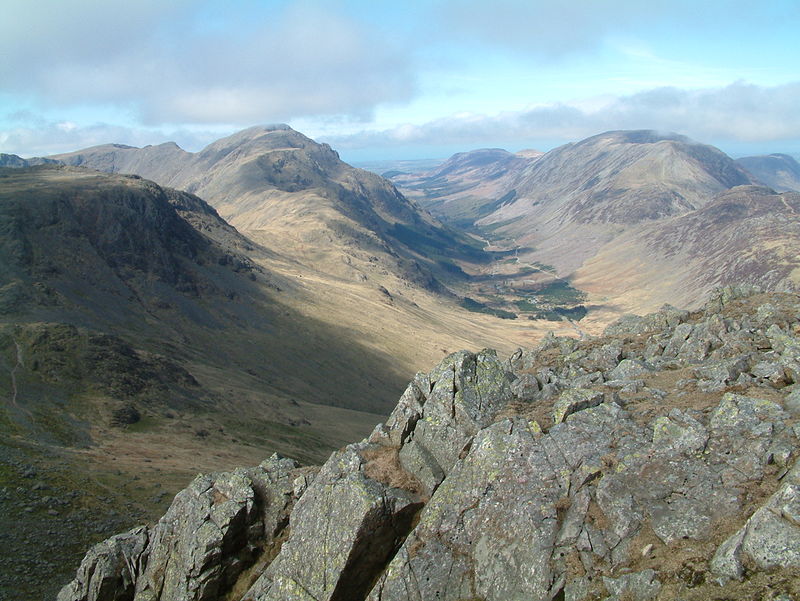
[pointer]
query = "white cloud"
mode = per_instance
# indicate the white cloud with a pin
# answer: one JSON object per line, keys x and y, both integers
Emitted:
{"x": 739, "y": 112}
{"x": 34, "y": 136}
{"x": 170, "y": 66}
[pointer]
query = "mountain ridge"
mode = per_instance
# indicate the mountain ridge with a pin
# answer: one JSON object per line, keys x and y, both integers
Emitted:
{"x": 266, "y": 180}
{"x": 577, "y": 196}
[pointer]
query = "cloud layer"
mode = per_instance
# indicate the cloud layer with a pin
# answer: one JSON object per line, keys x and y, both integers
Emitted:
{"x": 168, "y": 63}
{"x": 738, "y": 113}
{"x": 34, "y": 136}
{"x": 154, "y": 70}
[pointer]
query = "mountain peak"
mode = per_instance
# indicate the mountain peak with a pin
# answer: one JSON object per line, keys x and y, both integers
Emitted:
{"x": 638, "y": 136}
{"x": 259, "y": 138}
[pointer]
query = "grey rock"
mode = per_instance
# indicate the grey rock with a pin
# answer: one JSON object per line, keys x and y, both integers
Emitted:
{"x": 722, "y": 373}
{"x": 628, "y": 386}
{"x": 771, "y": 372}
{"x": 550, "y": 390}
{"x": 667, "y": 317}
{"x": 489, "y": 539}
{"x": 629, "y": 369}
{"x": 575, "y": 399}
{"x": 770, "y": 538}
{"x": 679, "y": 337}
{"x": 607, "y": 356}
{"x": 792, "y": 402}
{"x": 408, "y": 410}
{"x": 679, "y": 432}
{"x": 526, "y": 387}
{"x": 738, "y": 413}
{"x": 698, "y": 346}
{"x": 467, "y": 391}
{"x": 110, "y": 569}
{"x": 213, "y": 530}
{"x": 720, "y": 297}
{"x": 417, "y": 460}
{"x": 343, "y": 530}
{"x": 637, "y": 586}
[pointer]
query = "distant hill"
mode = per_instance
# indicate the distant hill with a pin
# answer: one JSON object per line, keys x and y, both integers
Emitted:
{"x": 635, "y": 218}
{"x": 12, "y": 160}
{"x": 778, "y": 171}
{"x": 579, "y": 196}
{"x": 468, "y": 186}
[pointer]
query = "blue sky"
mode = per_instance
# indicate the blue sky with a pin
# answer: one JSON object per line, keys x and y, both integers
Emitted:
{"x": 414, "y": 79}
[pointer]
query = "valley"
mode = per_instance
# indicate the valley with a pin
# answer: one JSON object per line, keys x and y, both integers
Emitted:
{"x": 165, "y": 312}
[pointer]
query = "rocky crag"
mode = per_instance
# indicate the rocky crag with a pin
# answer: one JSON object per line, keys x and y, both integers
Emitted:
{"x": 656, "y": 462}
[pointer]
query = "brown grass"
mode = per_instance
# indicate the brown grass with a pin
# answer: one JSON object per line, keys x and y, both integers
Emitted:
{"x": 597, "y": 517}
{"x": 383, "y": 465}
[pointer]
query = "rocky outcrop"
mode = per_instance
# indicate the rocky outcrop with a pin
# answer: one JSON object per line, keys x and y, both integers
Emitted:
{"x": 343, "y": 531}
{"x": 657, "y": 462}
{"x": 215, "y": 528}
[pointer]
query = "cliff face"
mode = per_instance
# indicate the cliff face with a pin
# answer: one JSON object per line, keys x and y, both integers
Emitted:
{"x": 656, "y": 462}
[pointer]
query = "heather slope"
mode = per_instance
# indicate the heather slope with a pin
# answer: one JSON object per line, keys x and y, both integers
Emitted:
{"x": 747, "y": 234}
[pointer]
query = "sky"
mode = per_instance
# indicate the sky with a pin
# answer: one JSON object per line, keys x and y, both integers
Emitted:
{"x": 398, "y": 80}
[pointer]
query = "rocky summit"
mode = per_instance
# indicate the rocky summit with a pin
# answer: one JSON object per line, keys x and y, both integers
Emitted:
{"x": 656, "y": 462}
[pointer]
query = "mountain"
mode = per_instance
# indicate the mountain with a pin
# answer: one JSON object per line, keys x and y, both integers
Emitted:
{"x": 468, "y": 186}
{"x": 606, "y": 215}
{"x": 121, "y": 255}
{"x": 659, "y": 461}
{"x": 142, "y": 336}
{"x": 747, "y": 234}
{"x": 577, "y": 197}
{"x": 779, "y": 171}
{"x": 12, "y": 160}
{"x": 288, "y": 192}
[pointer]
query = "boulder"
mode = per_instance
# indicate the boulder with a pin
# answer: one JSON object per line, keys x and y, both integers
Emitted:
{"x": 110, "y": 569}
{"x": 575, "y": 399}
{"x": 769, "y": 539}
{"x": 466, "y": 392}
{"x": 212, "y": 531}
{"x": 629, "y": 369}
{"x": 342, "y": 532}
